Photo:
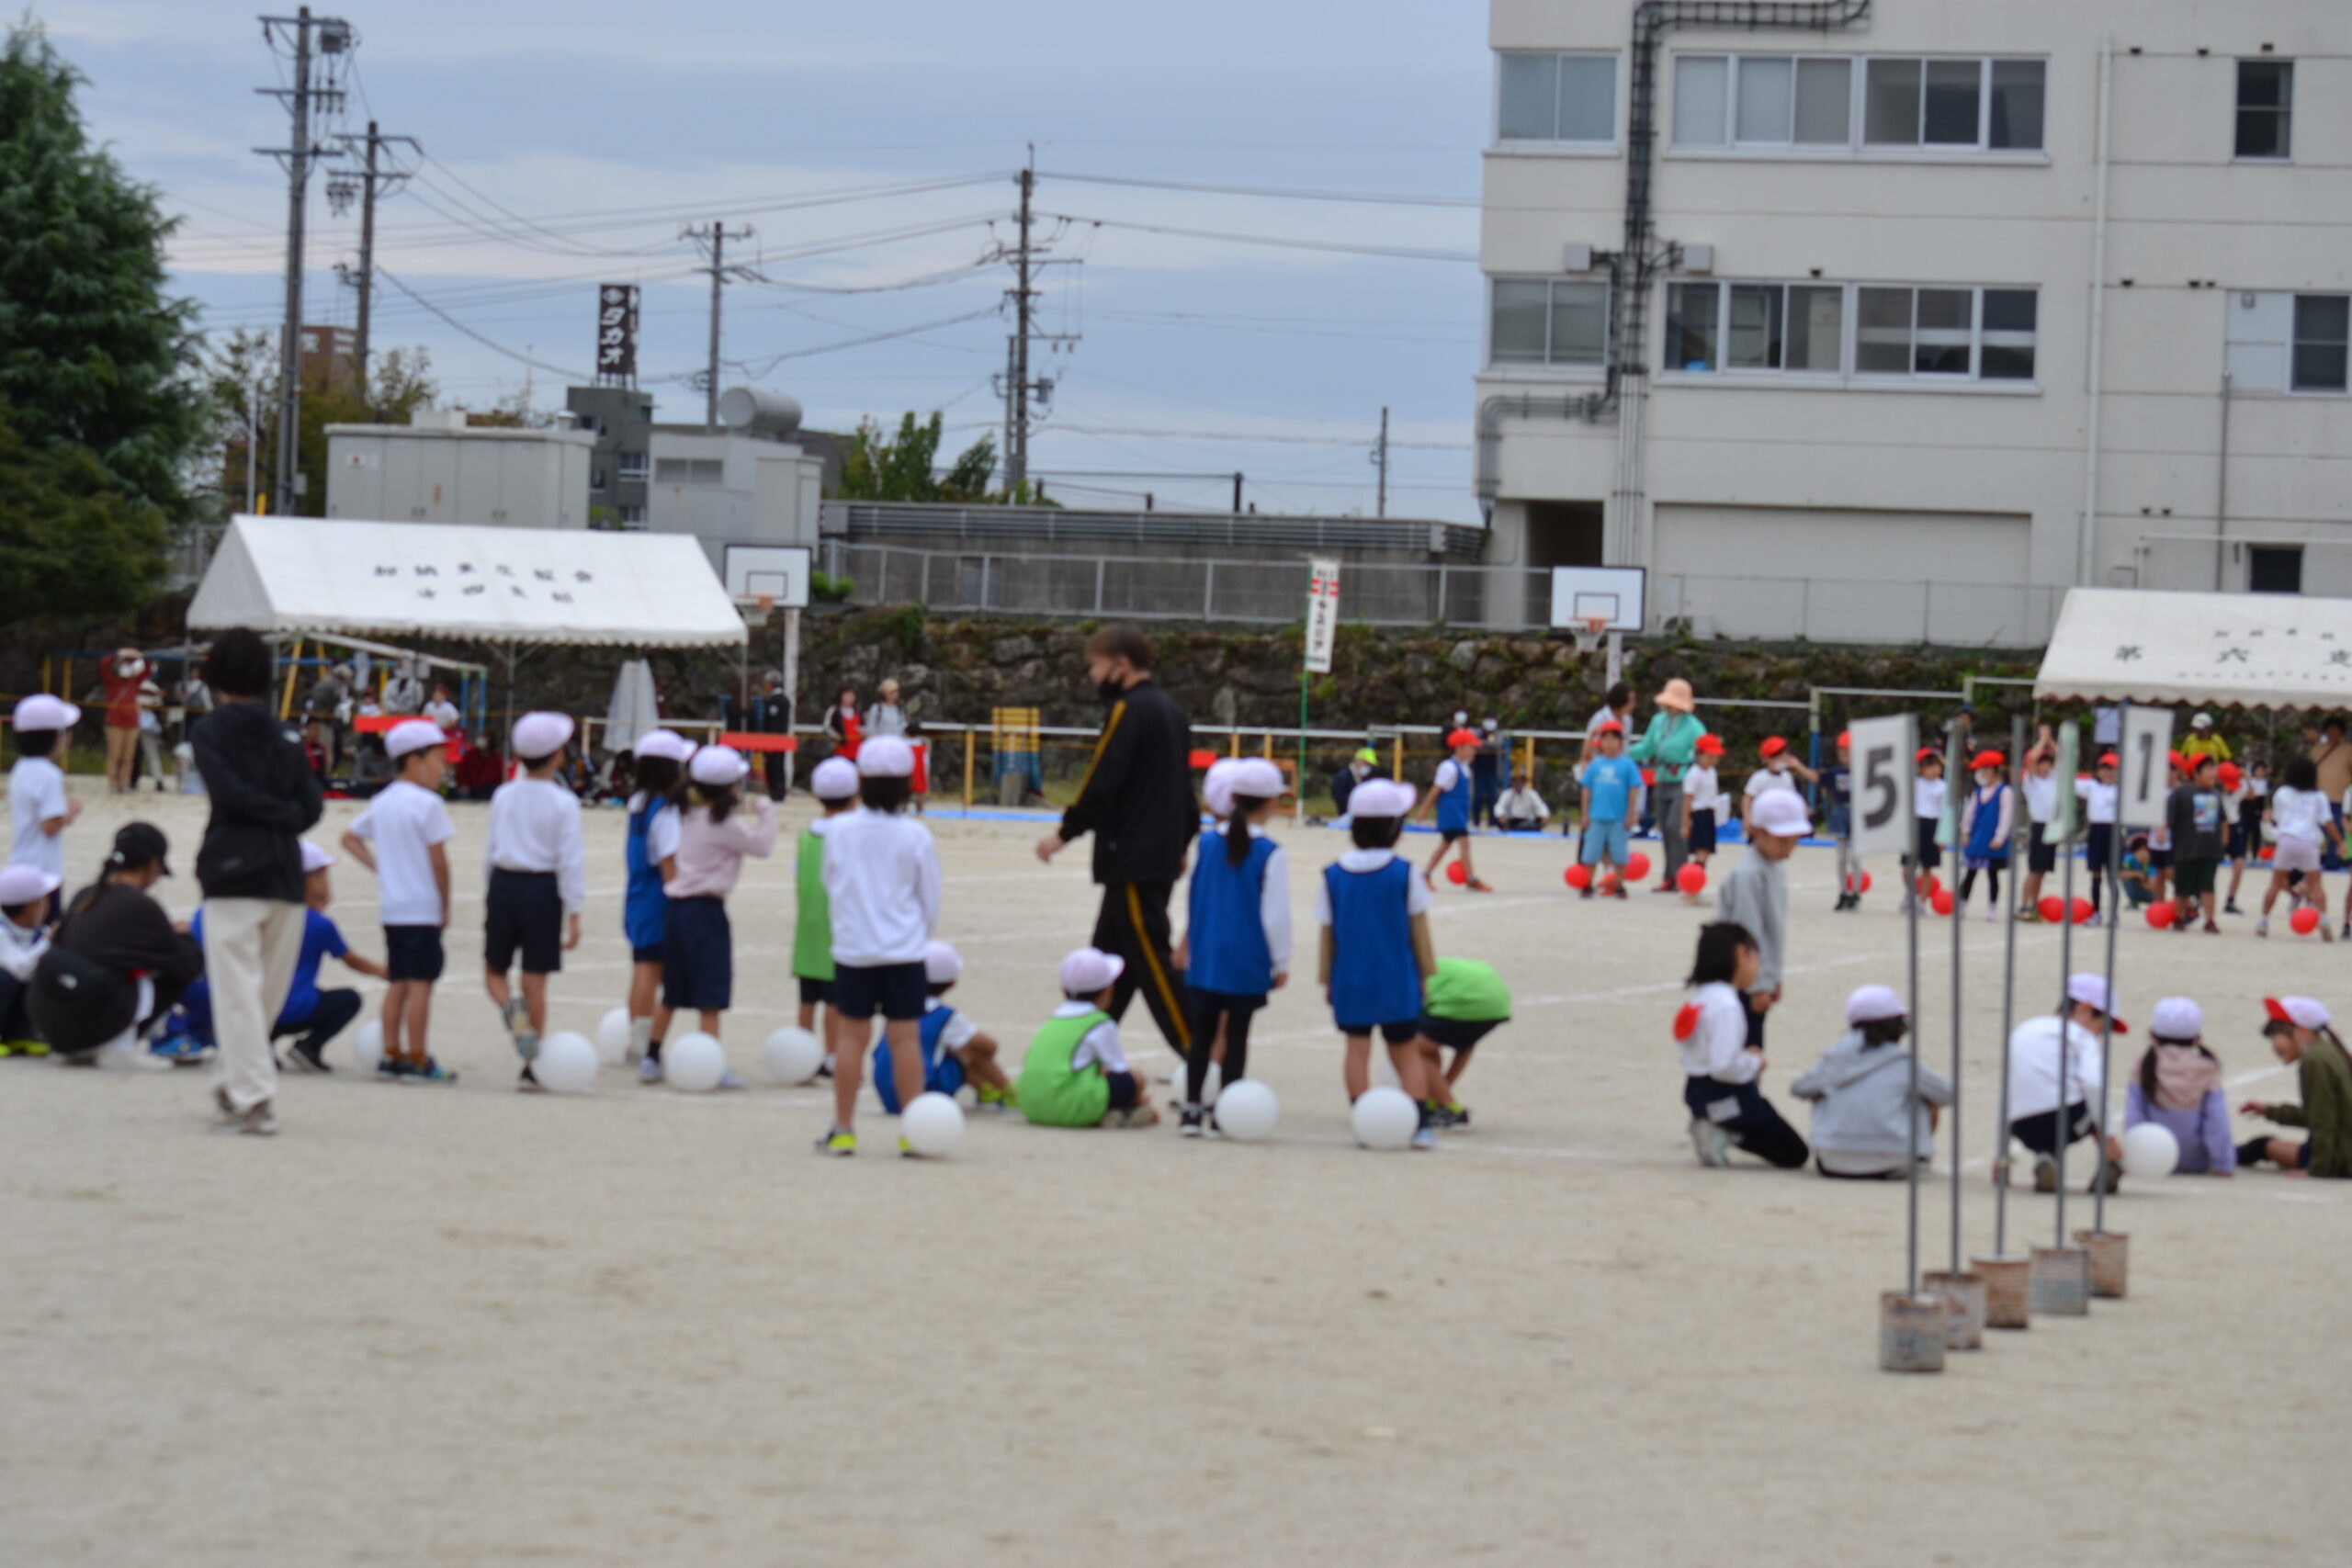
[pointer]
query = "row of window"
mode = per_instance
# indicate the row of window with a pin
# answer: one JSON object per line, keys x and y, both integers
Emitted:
{"x": 1823, "y": 329}
{"x": 1826, "y": 102}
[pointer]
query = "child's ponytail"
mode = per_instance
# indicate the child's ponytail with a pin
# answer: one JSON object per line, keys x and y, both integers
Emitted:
{"x": 720, "y": 798}
{"x": 1236, "y": 827}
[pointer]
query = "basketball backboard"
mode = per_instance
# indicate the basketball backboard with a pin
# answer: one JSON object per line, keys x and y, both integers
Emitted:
{"x": 779, "y": 573}
{"x": 1617, "y": 594}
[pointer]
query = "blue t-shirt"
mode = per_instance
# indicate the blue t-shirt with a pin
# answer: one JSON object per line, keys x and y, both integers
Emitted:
{"x": 320, "y": 940}
{"x": 1613, "y": 781}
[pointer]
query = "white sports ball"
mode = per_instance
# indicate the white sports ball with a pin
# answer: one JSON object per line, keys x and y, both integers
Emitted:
{"x": 368, "y": 1045}
{"x": 1384, "y": 1119}
{"x": 2150, "y": 1151}
{"x": 692, "y": 1064}
{"x": 792, "y": 1056}
{"x": 566, "y": 1064}
{"x": 612, "y": 1038}
{"x": 933, "y": 1123}
{"x": 1246, "y": 1112}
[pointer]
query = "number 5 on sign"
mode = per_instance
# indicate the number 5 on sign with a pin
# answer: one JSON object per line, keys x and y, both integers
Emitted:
{"x": 2147, "y": 768}
{"x": 1883, "y": 772}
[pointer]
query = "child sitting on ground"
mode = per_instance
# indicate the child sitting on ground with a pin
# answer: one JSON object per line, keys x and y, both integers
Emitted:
{"x": 1864, "y": 1113}
{"x": 1466, "y": 1002}
{"x": 2304, "y": 1035}
{"x": 2179, "y": 1087}
{"x": 955, "y": 1052}
{"x": 1075, "y": 1075}
{"x": 24, "y": 937}
{"x": 1720, "y": 1067}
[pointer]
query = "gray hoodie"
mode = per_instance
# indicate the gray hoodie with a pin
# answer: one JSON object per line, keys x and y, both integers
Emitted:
{"x": 1858, "y": 1097}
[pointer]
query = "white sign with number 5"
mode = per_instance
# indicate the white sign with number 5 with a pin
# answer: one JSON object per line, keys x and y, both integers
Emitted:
{"x": 2146, "y": 754}
{"x": 1881, "y": 784}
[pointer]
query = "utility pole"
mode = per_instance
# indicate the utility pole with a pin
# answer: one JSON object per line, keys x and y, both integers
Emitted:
{"x": 1027, "y": 256}
{"x": 1380, "y": 459}
{"x": 308, "y": 36}
{"x": 714, "y": 237}
{"x": 371, "y": 180}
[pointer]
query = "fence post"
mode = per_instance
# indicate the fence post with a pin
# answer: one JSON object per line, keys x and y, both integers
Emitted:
{"x": 984, "y": 581}
{"x": 1927, "y": 608}
{"x": 1098, "y": 585}
{"x": 923, "y": 597}
{"x": 1208, "y": 590}
{"x": 1444, "y": 599}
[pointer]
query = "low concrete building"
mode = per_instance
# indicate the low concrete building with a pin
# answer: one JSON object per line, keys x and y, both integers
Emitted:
{"x": 437, "y": 468}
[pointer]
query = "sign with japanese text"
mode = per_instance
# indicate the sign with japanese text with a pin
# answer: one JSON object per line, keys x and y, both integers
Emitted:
{"x": 617, "y": 330}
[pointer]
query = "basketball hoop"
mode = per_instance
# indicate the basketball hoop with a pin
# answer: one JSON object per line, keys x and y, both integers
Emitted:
{"x": 1591, "y": 633}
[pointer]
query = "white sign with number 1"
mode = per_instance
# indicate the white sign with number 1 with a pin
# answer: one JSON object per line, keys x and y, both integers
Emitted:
{"x": 1882, "y": 782}
{"x": 2146, "y": 754}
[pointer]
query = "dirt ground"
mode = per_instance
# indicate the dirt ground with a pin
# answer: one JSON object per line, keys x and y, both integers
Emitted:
{"x": 459, "y": 1326}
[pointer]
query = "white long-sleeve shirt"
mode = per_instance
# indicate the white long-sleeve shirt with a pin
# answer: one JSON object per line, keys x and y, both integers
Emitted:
{"x": 1100, "y": 1046}
{"x": 2099, "y": 797}
{"x": 882, "y": 879}
{"x": 535, "y": 827}
{"x": 2040, "y": 796}
{"x": 1717, "y": 1048}
{"x": 2034, "y": 1064}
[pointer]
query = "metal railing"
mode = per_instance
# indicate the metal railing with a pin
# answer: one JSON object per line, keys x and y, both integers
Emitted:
{"x": 1002, "y": 526}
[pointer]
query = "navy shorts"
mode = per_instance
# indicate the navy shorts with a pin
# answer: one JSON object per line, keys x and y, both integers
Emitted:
{"x": 1449, "y": 834}
{"x": 524, "y": 913}
{"x": 645, "y": 954}
{"x": 698, "y": 957}
{"x": 1703, "y": 834}
{"x": 814, "y": 993}
{"x": 897, "y": 991}
{"x": 2159, "y": 860}
{"x": 2040, "y": 857}
{"x": 1928, "y": 854}
{"x": 1395, "y": 1034}
{"x": 1459, "y": 1033}
{"x": 413, "y": 953}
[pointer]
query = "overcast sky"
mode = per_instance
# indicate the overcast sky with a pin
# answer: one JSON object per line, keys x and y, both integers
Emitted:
{"x": 568, "y": 143}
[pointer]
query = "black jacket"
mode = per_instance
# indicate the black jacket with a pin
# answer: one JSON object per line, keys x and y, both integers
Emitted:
{"x": 1137, "y": 796}
{"x": 264, "y": 798}
{"x": 86, "y": 991}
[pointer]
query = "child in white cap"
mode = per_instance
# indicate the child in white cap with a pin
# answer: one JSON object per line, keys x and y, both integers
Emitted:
{"x": 38, "y": 811}
{"x": 2179, "y": 1087}
{"x": 1237, "y": 941}
{"x": 697, "y": 940}
{"x": 882, "y": 883}
{"x": 651, "y": 854}
{"x": 25, "y": 892}
{"x": 313, "y": 1014}
{"x": 2302, "y": 1034}
{"x": 1375, "y": 954}
{"x": 1074, "y": 1074}
{"x": 1756, "y": 895}
{"x": 537, "y": 861}
{"x": 2055, "y": 1079}
{"x": 834, "y": 783}
{"x": 1864, "y": 1113}
{"x": 404, "y": 838}
{"x": 955, "y": 1051}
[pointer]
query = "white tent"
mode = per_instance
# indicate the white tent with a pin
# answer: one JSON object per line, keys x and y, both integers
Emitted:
{"x": 2260, "y": 650}
{"x": 499, "y": 585}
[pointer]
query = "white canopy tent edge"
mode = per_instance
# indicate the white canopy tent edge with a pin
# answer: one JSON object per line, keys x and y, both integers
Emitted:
{"x": 2152, "y": 648}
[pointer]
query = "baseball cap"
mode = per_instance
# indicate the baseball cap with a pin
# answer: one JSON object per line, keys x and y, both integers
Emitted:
{"x": 1845, "y": 738}
{"x": 717, "y": 765}
{"x": 835, "y": 778}
{"x": 2177, "y": 761}
{"x": 23, "y": 884}
{"x": 2177, "y": 1018}
{"x": 1869, "y": 1004}
{"x": 412, "y": 734}
{"x": 2301, "y": 1011}
{"x": 42, "y": 711}
{"x": 538, "y": 736}
{"x": 2201, "y": 721}
{"x": 2107, "y": 759}
{"x": 664, "y": 743}
{"x": 2228, "y": 775}
{"x": 1610, "y": 726}
{"x": 1772, "y": 746}
{"x": 1368, "y": 755}
{"x": 2091, "y": 991}
{"x": 942, "y": 964}
{"x": 1217, "y": 785}
{"x": 1781, "y": 812}
{"x": 885, "y": 757}
{"x": 1462, "y": 738}
{"x": 139, "y": 843}
{"x": 1988, "y": 760}
{"x": 1259, "y": 778}
{"x": 1711, "y": 744}
{"x": 1088, "y": 970}
{"x": 314, "y": 858}
{"x": 1381, "y": 797}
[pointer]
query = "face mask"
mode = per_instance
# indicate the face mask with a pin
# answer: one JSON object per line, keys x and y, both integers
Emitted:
{"x": 1111, "y": 689}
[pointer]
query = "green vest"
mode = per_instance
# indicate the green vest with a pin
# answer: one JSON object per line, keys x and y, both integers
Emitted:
{"x": 1468, "y": 992}
{"x": 812, "y": 932}
{"x": 1051, "y": 1094}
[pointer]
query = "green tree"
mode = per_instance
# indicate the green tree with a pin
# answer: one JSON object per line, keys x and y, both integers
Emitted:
{"x": 903, "y": 467}
{"x": 244, "y": 379}
{"x": 94, "y": 356}
{"x": 74, "y": 544}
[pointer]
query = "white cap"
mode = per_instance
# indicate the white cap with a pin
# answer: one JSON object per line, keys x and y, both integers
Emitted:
{"x": 1259, "y": 778}
{"x": 1779, "y": 812}
{"x": 717, "y": 765}
{"x": 2177, "y": 1018}
{"x": 1216, "y": 789}
{"x": 23, "y": 884}
{"x": 664, "y": 743}
{"x": 314, "y": 858}
{"x": 1490, "y": 724}
{"x": 1870, "y": 1004}
{"x": 2301, "y": 1011}
{"x": 538, "y": 736}
{"x": 942, "y": 964}
{"x": 885, "y": 757}
{"x": 42, "y": 711}
{"x": 2203, "y": 721}
{"x": 1381, "y": 797}
{"x": 1461, "y": 717}
{"x": 412, "y": 734}
{"x": 1089, "y": 970}
{"x": 835, "y": 778}
{"x": 2091, "y": 991}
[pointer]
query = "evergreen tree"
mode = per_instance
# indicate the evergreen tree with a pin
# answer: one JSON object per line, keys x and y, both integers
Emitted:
{"x": 73, "y": 544}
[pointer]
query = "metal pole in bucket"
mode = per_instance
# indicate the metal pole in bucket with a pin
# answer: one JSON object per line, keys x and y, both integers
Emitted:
{"x": 2060, "y": 1281}
{"x": 1962, "y": 1291}
{"x": 2006, "y": 1304}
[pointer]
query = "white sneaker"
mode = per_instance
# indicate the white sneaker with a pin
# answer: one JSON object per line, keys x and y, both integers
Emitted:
{"x": 137, "y": 1057}
{"x": 1425, "y": 1137}
{"x": 1710, "y": 1142}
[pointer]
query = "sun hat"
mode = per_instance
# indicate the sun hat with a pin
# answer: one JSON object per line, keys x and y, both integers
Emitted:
{"x": 717, "y": 765}
{"x": 314, "y": 858}
{"x": 1381, "y": 797}
{"x": 1772, "y": 746}
{"x": 538, "y": 736}
{"x": 664, "y": 743}
{"x": 25, "y": 883}
{"x": 1259, "y": 778}
{"x": 942, "y": 964}
{"x": 42, "y": 711}
{"x": 1088, "y": 970}
{"x": 835, "y": 778}
{"x": 130, "y": 662}
{"x": 412, "y": 734}
{"x": 885, "y": 757}
{"x": 2091, "y": 991}
{"x": 2177, "y": 1018}
{"x": 1368, "y": 755}
{"x": 1870, "y": 1004}
{"x": 2301, "y": 1011}
{"x": 1781, "y": 812}
{"x": 1676, "y": 695}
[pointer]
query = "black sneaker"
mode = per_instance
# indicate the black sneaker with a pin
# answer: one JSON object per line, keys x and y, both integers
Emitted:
{"x": 309, "y": 1058}
{"x": 2231, "y": 907}
{"x": 1189, "y": 1122}
{"x": 529, "y": 1082}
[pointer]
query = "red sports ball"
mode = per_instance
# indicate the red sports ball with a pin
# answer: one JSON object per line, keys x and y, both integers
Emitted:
{"x": 2305, "y": 921}
{"x": 2052, "y": 908}
{"x": 1691, "y": 878}
{"x": 1637, "y": 865}
{"x": 1579, "y": 877}
{"x": 2083, "y": 911}
{"x": 2160, "y": 914}
{"x": 1942, "y": 900}
{"x": 1457, "y": 873}
{"x": 1931, "y": 884}
{"x": 1866, "y": 882}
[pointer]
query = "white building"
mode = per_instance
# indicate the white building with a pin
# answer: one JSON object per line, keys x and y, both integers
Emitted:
{"x": 437, "y": 468}
{"x": 1921, "y": 287}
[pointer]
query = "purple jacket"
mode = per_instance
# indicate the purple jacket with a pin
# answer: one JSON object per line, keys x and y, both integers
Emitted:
{"x": 2204, "y": 1132}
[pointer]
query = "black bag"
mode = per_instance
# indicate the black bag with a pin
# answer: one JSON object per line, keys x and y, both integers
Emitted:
{"x": 79, "y": 1004}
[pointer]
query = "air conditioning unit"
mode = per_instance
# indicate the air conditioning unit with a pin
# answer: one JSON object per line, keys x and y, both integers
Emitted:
{"x": 1576, "y": 257}
{"x": 1699, "y": 258}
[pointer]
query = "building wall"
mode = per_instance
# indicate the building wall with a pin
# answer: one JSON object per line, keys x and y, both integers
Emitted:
{"x": 521, "y": 478}
{"x": 1983, "y": 482}
{"x": 729, "y": 489}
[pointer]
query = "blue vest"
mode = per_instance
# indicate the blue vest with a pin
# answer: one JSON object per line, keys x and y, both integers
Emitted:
{"x": 940, "y": 1071}
{"x": 1982, "y": 844}
{"x": 1453, "y": 804}
{"x": 1227, "y": 933}
{"x": 1374, "y": 978}
{"x": 644, "y": 910}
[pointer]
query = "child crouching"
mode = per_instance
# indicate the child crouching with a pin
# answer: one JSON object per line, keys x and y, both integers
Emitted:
{"x": 1075, "y": 1075}
{"x": 955, "y": 1049}
{"x": 1865, "y": 1115}
{"x": 1726, "y": 1109}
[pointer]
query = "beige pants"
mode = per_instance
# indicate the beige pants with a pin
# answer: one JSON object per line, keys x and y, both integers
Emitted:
{"x": 122, "y": 748}
{"x": 251, "y": 946}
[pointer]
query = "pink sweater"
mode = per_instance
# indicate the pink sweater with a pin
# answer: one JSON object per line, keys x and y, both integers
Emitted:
{"x": 710, "y": 854}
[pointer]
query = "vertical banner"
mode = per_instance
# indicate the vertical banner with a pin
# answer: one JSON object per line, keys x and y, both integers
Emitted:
{"x": 2066, "y": 813}
{"x": 616, "y": 331}
{"x": 1322, "y": 615}
{"x": 2145, "y": 782}
{"x": 1882, "y": 772}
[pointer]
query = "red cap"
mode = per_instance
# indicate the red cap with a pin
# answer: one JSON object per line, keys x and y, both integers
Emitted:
{"x": 1988, "y": 760}
{"x": 2177, "y": 761}
{"x": 1611, "y": 728}
{"x": 1773, "y": 746}
{"x": 2107, "y": 759}
{"x": 1460, "y": 737}
{"x": 1845, "y": 738}
{"x": 1930, "y": 755}
{"x": 1712, "y": 744}
{"x": 2228, "y": 775}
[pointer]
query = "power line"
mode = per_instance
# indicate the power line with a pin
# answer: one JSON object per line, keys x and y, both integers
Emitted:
{"x": 773, "y": 360}
{"x": 1283, "y": 439}
{"x": 1394, "y": 253}
{"x": 1381, "y": 198}
{"x": 486, "y": 343}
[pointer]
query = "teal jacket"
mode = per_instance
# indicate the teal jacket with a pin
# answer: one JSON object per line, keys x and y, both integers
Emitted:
{"x": 1670, "y": 745}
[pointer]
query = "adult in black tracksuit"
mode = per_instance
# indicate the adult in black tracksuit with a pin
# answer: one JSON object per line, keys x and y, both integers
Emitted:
{"x": 1137, "y": 801}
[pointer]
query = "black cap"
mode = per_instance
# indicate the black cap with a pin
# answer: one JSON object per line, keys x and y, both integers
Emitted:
{"x": 137, "y": 844}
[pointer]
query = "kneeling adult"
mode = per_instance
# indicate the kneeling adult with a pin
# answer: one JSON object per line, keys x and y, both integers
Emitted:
{"x": 117, "y": 964}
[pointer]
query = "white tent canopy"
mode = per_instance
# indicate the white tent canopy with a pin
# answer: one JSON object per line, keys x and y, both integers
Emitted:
{"x": 501, "y": 585}
{"x": 2260, "y": 650}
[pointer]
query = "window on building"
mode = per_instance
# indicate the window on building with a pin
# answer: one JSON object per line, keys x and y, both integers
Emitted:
{"x": 2015, "y": 105}
{"x": 2323, "y": 326}
{"x": 689, "y": 471}
{"x": 629, "y": 467}
{"x": 596, "y": 479}
{"x": 1800, "y": 328}
{"x": 1781, "y": 100}
{"x": 1824, "y": 103}
{"x": 2274, "y": 569}
{"x": 2266, "y": 107}
{"x": 1693, "y": 311}
{"x": 632, "y": 516}
{"x": 1549, "y": 321}
{"x": 1702, "y": 96}
{"x": 2010, "y": 318}
{"x": 1558, "y": 97}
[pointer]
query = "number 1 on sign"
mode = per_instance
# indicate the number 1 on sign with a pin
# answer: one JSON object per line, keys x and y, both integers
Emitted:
{"x": 1882, "y": 773}
{"x": 2147, "y": 773}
